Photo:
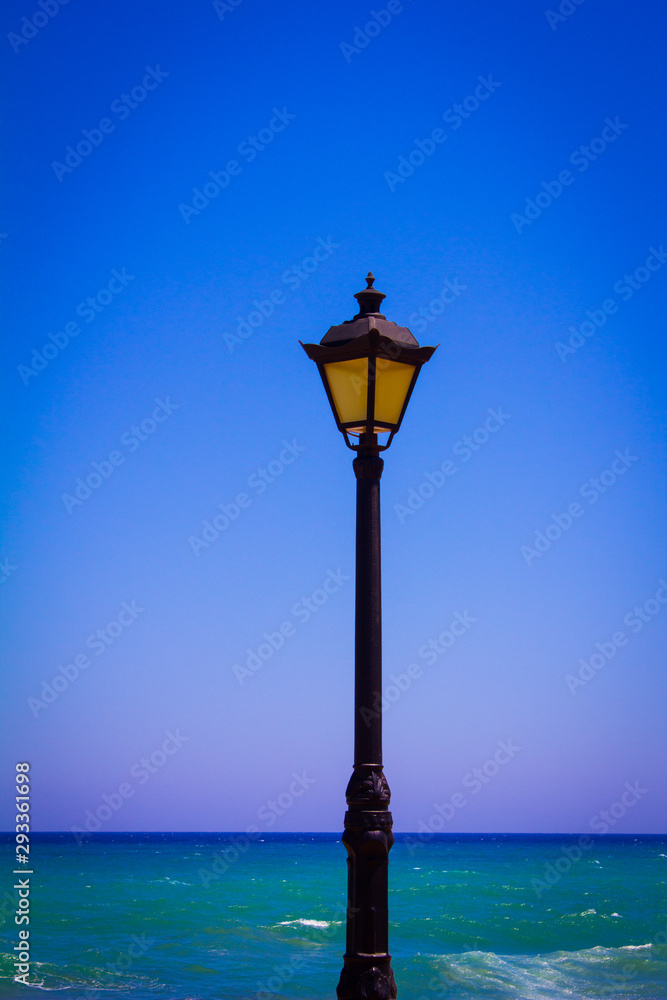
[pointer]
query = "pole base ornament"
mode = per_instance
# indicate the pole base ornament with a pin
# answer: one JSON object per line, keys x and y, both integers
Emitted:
{"x": 368, "y": 838}
{"x": 376, "y": 983}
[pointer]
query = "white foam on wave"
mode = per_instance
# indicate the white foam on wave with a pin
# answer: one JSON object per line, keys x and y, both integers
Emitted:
{"x": 303, "y": 922}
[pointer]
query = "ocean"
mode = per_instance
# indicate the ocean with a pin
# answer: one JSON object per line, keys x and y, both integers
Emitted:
{"x": 199, "y": 916}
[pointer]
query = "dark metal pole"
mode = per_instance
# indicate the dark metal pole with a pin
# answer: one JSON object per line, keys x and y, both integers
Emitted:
{"x": 367, "y": 973}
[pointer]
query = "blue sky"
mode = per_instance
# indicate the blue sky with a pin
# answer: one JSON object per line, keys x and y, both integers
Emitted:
{"x": 501, "y": 174}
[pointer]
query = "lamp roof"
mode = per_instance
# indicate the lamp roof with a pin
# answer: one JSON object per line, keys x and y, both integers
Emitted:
{"x": 368, "y": 318}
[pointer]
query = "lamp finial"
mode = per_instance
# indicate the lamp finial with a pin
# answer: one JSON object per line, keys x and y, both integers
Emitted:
{"x": 370, "y": 300}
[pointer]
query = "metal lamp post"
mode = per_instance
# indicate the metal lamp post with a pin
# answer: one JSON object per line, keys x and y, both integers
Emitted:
{"x": 369, "y": 367}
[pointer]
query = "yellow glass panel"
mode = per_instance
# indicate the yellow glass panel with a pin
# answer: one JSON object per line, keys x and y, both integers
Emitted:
{"x": 348, "y": 384}
{"x": 392, "y": 383}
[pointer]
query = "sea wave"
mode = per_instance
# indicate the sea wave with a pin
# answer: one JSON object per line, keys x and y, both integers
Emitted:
{"x": 80, "y": 976}
{"x": 629, "y": 972}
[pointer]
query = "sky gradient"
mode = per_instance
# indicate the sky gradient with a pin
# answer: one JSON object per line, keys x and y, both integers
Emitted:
{"x": 193, "y": 190}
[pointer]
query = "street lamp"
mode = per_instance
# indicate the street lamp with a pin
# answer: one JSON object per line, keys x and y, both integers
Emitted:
{"x": 369, "y": 367}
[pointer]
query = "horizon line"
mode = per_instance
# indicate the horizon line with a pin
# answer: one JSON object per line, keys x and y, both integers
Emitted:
{"x": 333, "y": 833}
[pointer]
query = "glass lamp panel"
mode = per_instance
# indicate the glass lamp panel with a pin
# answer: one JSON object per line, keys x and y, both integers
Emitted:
{"x": 392, "y": 384}
{"x": 348, "y": 385}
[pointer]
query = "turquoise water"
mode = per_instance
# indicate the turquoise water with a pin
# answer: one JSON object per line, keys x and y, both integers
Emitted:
{"x": 146, "y": 917}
